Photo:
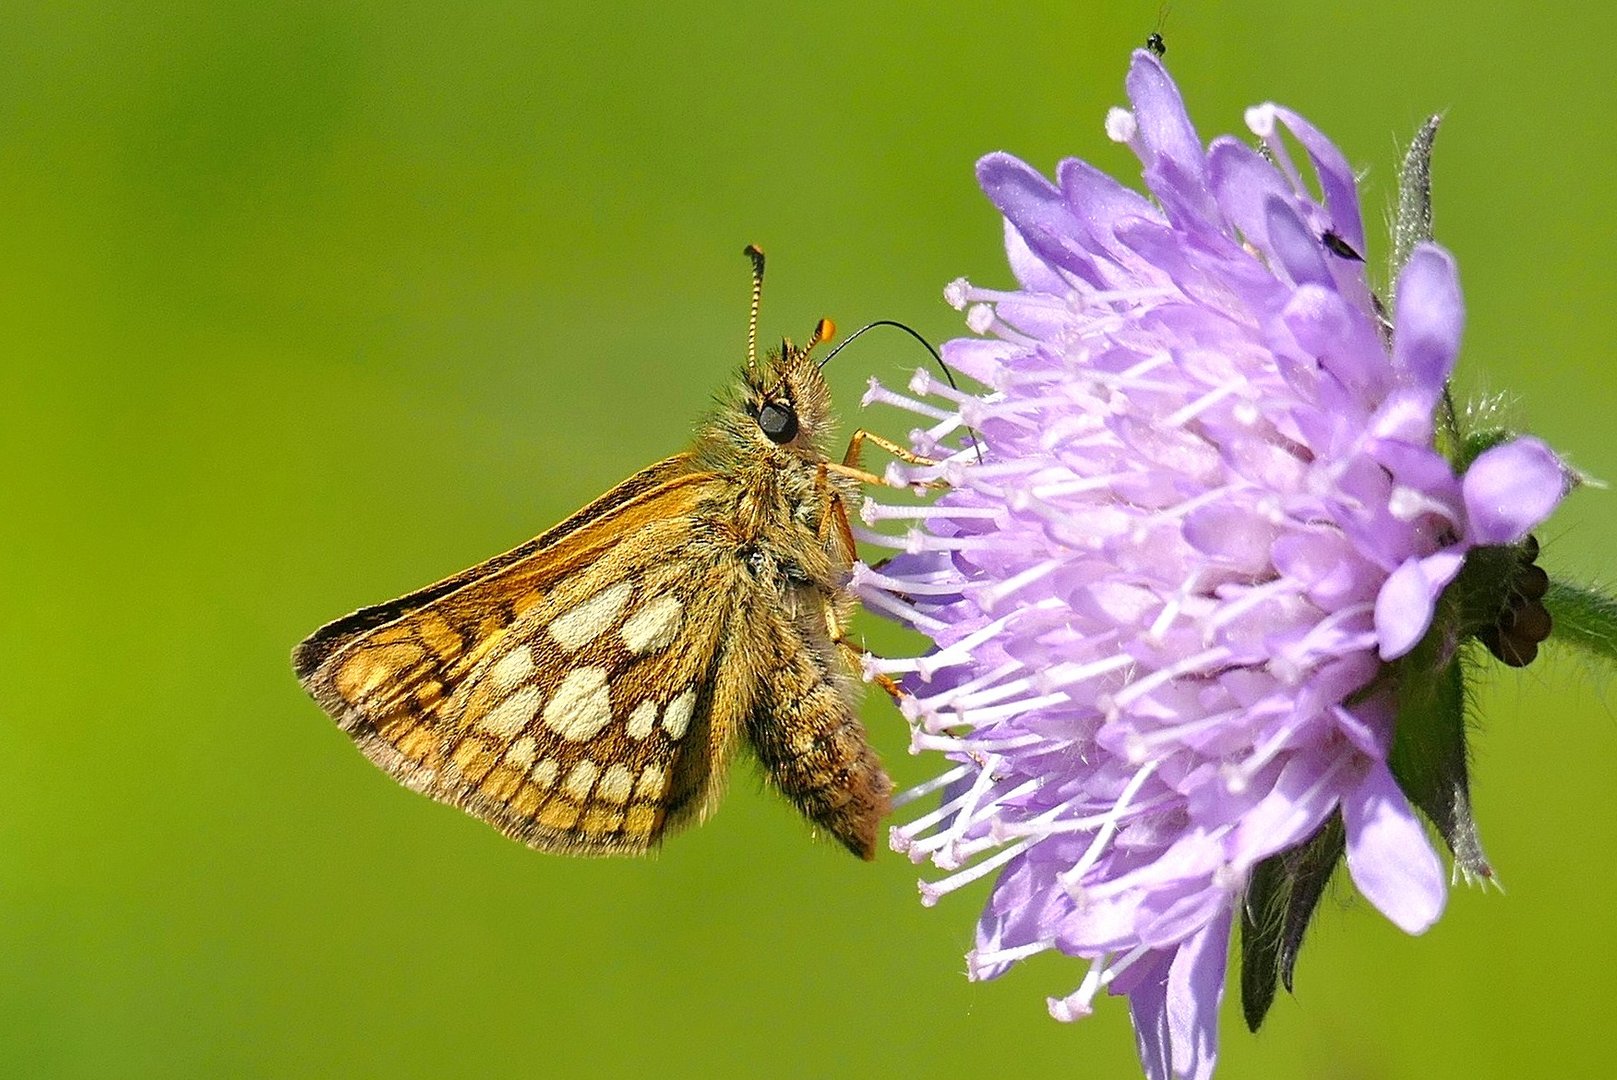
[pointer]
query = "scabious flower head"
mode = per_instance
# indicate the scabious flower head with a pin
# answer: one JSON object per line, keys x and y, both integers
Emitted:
{"x": 1170, "y": 601}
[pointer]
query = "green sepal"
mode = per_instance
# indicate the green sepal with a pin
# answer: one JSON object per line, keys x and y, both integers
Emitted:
{"x": 1413, "y": 224}
{"x": 1281, "y": 897}
{"x": 1429, "y": 757}
{"x": 1476, "y": 443}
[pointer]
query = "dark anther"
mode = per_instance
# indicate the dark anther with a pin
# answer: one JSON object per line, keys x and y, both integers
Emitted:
{"x": 1339, "y": 247}
{"x": 778, "y": 420}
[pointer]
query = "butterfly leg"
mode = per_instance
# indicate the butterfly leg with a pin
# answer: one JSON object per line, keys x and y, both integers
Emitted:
{"x": 856, "y": 446}
{"x": 849, "y": 465}
{"x": 835, "y": 516}
{"x": 856, "y": 659}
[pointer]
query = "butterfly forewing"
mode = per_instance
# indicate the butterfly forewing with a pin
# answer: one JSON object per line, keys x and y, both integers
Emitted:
{"x": 566, "y": 694}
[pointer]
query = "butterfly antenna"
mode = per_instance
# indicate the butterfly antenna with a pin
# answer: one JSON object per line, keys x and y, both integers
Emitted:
{"x": 756, "y": 254}
{"x": 925, "y": 344}
{"x": 824, "y": 331}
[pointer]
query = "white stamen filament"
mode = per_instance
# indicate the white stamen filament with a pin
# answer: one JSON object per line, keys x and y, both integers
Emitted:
{"x": 981, "y": 717}
{"x": 904, "y": 613}
{"x": 1201, "y": 661}
{"x": 993, "y": 595}
{"x": 1230, "y": 610}
{"x": 943, "y": 583}
{"x": 1202, "y": 404}
{"x": 927, "y": 787}
{"x": 910, "y": 832}
{"x": 1050, "y": 824}
{"x": 873, "y": 511}
{"x": 1140, "y": 746}
{"x": 938, "y": 843}
{"x": 1072, "y": 879}
{"x": 978, "y": 962}
{"x": 933, "y": 891}
{"x": 870, "y": 536}
{"x": 878, "y": 394}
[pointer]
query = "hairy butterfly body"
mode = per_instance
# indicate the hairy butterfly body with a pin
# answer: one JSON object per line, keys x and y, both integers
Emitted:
{"x": 585, "y": 692}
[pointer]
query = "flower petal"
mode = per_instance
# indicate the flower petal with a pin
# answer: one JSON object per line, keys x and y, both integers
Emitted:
{"x": 1164, "y": 125}
{"x": 1388, "y": 855}
{"x": 1430, "y": 316}
{"x": 1294, "y": 248}
{"x": 1148, "y": 1008}
{"x": 1405, "y": 604}
{"x": 1510, "y": 490}
{"x": 1032, "y": 272}
{"x": 1336, "y": 178}
{"x": 1195, "y": 990}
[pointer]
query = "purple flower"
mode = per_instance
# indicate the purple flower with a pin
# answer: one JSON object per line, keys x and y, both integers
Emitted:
{"x": 1169, "y": 604}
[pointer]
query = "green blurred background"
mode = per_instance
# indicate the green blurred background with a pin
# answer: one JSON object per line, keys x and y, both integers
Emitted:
{"x": 303, "y": 305}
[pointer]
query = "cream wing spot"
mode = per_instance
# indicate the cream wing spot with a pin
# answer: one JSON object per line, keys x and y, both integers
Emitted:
{"x": 642, "y": 720}
{"x": 653, "y": 782}
{"x": 511, "y": 715}
{"x": 581, "y": 705}
{"x": 615, "y": 785}
{"x": 677, "y": 717}
{"x": 544, "y": 774}
{"x": 574, "y": 629}
{"x": 581, "y": 779}
{"x": 653, "y": 626}
{"x": 513, "y": 668}
{"x": 522, "y": 752}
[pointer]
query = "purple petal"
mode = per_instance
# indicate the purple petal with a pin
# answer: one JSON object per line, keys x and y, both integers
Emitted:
{"x": 1101, "y": 202}
{"x": 1243, "y": 182}
{"x": 1405, "y": 604}
{"x": 1032, "y": 272}
{"x": 1510, "y": 490}
{"x": 1430, "y": 316}
{"x": 1388, "y": 854}
{"x": 1175, "y": 164}
{"x": 1406, "y": 415}
{"x": 1034, "y": 206}
{"x": 1148, "y": 1008}
{"x": 1294, "y": 247}
{"x": 1340, "y": 337}
{"x": 1195, "y": 989}
{"x": 1335, "y": 177}
{"x": 1288, "y": 814}
{"x": 1164, "y": 125}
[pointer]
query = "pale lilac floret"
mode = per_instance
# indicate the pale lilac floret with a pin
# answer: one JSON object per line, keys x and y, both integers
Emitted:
{"x": 1208, "y": 512}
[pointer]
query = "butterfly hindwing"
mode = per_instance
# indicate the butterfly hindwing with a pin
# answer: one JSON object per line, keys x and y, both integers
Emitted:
{"x": 596, "y": 725}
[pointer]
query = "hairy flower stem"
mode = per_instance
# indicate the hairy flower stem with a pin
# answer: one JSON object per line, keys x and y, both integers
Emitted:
{"x": 1585, "y": 618}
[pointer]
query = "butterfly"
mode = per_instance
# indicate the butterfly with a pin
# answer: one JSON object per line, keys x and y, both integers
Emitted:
{"x": 585, "y": 692}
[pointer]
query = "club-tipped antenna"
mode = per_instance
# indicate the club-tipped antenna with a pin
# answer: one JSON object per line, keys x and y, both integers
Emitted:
{"x": 756, "y": 254}
{"x": 925, "y": 344}
{"x": 824, "y": 331}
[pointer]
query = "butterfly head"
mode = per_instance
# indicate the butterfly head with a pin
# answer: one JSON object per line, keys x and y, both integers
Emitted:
{"x": 785, "y": 398}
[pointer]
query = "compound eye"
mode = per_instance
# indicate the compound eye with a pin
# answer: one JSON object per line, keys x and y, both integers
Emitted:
{"x": 779, "y": 421}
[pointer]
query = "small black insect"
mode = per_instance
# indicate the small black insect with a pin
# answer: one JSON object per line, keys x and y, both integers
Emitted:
{"x": 1339, "y": 247}
{"x": 1155, "y": 45}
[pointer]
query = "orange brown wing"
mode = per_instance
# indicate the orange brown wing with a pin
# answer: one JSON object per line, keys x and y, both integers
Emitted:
{"x": 410, "y": 680}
